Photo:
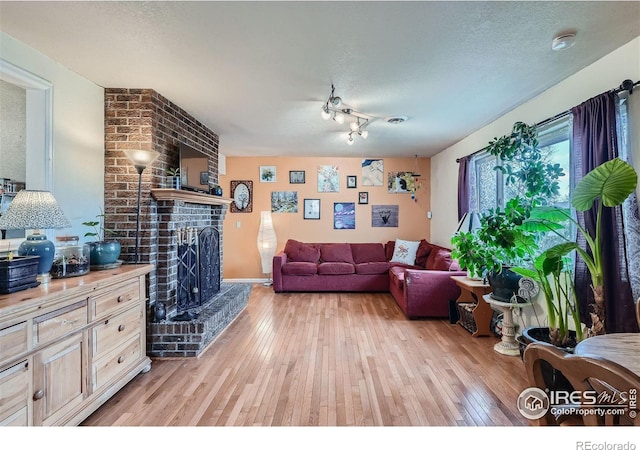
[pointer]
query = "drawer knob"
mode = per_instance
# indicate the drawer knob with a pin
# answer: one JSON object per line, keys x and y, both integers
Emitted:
{"x": 121, "y": 360}
{"x": 121, "y": 327}
{"x": 38, "y": 394}
{"x": 120, "y": 298}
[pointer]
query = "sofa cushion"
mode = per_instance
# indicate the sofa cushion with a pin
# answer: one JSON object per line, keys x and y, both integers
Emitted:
{"x": 424, "y": 249}
{"x": 439, "y": 259}
{"x": 301, "y": 252}
{"x": 336, "y": 253}
{"x": 300, "y": 268}
{"x": 405, "y": 251}
{"x": 372, "y": 268}
{"x": 335, "y": 268}
{"x": 370, "y": 252}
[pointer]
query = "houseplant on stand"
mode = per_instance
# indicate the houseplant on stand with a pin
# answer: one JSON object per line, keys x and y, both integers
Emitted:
{"x": 501, "y": 242}
{"x": 104, "y": 252}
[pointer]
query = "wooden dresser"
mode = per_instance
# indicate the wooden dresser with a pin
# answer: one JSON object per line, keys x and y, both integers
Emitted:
{"x": 67, "y": 346}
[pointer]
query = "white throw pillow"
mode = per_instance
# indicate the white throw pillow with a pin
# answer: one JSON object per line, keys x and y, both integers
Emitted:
{"x": 405, "y": 252}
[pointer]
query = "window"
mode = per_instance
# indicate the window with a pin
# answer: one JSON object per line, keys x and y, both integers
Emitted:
{"x": 489, "y": 189}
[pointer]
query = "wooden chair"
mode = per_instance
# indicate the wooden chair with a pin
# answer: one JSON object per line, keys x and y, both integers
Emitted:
{"x": 584, "y": 373}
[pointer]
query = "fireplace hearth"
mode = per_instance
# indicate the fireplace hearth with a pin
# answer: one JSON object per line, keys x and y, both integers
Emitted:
{"x": 191, "y": 338}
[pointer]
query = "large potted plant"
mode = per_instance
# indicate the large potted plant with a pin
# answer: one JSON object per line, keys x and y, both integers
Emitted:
{"x": 608, "y": 185}
{"x": 501, "y": 242}
{"x": 104, "y": 252}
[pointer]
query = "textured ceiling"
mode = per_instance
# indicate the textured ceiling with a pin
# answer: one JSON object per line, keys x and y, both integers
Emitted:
{"x": 258, "y": 73}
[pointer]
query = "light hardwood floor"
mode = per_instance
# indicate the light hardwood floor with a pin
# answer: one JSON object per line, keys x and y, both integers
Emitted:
{"x": 308, "y": 359}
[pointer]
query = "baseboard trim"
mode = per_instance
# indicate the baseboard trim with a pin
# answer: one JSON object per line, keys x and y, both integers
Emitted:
{"x": 246, "y": 280}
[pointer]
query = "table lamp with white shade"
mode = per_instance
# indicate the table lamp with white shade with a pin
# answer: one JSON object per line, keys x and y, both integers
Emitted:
{"x": 35, "y": 210}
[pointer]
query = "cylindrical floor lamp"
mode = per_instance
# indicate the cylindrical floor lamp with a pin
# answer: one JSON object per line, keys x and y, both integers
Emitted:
{"x": 267, "y": 243}
{"x": 140, "y": 159}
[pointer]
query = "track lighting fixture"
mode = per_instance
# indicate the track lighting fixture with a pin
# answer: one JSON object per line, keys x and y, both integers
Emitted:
{"x": 334, "y": 108}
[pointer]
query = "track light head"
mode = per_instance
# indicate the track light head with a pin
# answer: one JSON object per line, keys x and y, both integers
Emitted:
{"x": 363, "y": 134}
{"x": 335, "y": 101}
{"x": 338, "y": 117}
{"x": 350, "y": 139}
{"x": 325, "y": 113}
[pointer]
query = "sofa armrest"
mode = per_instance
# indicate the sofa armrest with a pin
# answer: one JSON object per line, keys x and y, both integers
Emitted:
{"x": 279, "y": 260}
{"x": 429, "y": 291}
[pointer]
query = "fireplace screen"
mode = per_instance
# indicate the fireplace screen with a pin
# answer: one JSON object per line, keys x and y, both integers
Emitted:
{"x": 198, "y": 270}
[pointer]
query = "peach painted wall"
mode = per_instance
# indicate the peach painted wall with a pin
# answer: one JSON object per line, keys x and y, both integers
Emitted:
{"x": 241, "y": 258}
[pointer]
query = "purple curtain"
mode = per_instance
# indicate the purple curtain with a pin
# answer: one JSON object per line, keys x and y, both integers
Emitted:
{"x": 595, "y": 142}
{"x": 463, "y": 186}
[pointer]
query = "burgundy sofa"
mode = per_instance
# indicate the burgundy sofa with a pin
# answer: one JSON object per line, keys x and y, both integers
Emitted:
{"x": 421, "y": 290}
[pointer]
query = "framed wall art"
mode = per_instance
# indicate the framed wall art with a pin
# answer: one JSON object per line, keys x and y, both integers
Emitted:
{"x": 204, "y": 178}
{"x": 352, "y": 182}
{"x": 344, "y": 216}
{"x": 296, "y": 176}
{"x": 242, "y": 195}
{"x": 312, "y": 208}
{"x": 328, "y": 179}
{"x": 384, "y": 216}
{"x": 284, "y": 202}
{"x": 400, "y": 183}
{"x": 363, "y": 198}
{"x": 267, "y": 174}
{"x": 372, "y": 172}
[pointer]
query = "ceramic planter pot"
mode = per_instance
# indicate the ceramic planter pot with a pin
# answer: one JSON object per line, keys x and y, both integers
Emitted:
{"x": 104, "y": 253}
{"x": 504, "y": 285}
{"x": 552, "y": 376}
{"x": 174, "y": 182}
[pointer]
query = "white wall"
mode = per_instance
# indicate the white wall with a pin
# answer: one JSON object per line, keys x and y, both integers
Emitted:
{"x": 78, "y": 134}
{"x": 604, "y": 74}
{"x": 601, "y": 76}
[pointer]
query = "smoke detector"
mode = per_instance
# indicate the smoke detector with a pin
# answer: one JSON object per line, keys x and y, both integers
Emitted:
{"x": 396, "y": 119}
{"x": 563, "y": 41}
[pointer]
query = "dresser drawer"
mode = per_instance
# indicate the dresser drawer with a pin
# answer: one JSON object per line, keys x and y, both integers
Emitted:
{"x": 112, "y": 332}
{"x": 14, "y": 393}
{"x": 116, "y": 362}
{"x": 60, "y": 322}
{"x": 105, "y": 303}
{"x": 13, "y": 341}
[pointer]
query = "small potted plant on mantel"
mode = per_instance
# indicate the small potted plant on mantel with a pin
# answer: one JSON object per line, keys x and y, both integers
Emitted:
{"x": 104, "y": 252}
{"x": 173, "y": 178}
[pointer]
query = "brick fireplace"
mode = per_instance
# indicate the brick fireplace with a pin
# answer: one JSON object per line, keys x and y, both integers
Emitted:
{"x": 144, "y": 119}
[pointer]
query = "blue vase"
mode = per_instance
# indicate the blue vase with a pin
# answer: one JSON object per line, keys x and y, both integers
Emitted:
{"x": 104, "y": 253}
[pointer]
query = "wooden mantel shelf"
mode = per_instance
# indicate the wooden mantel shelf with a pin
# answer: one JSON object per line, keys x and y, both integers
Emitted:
{"x": 189, "y": 197}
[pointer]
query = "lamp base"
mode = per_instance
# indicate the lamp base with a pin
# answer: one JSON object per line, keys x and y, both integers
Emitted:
{"x": 38, "y": 245}
{"x": 269, "y": 281}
